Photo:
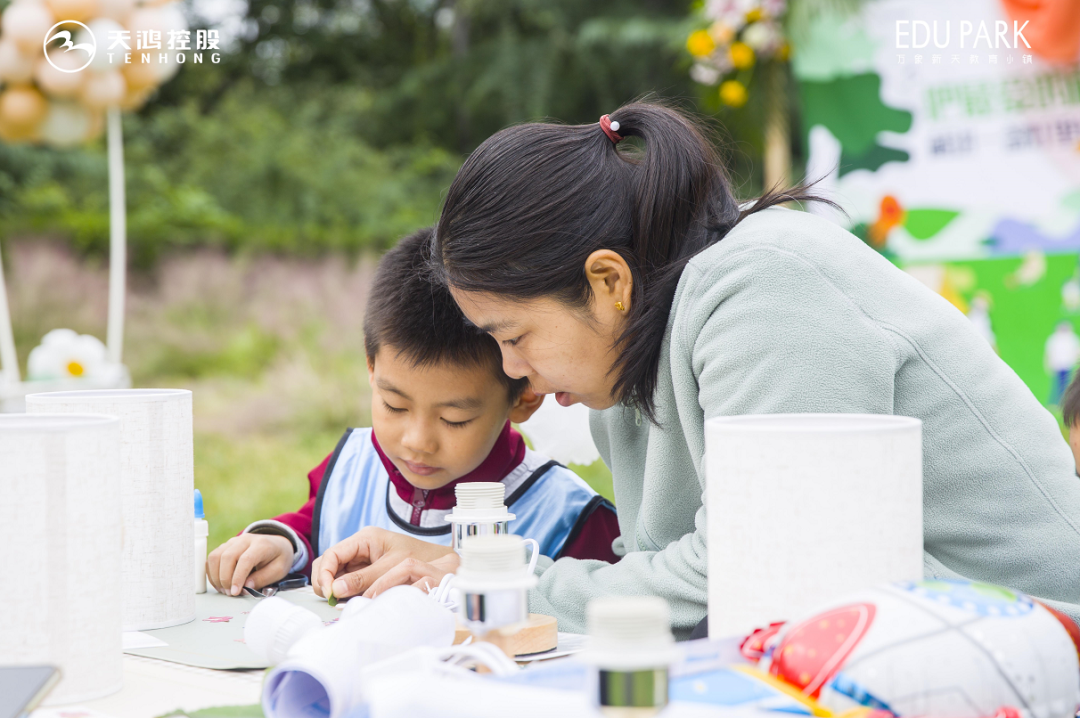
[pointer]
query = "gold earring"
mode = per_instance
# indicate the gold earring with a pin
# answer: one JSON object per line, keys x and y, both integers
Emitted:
{"x": 620, "y": 307}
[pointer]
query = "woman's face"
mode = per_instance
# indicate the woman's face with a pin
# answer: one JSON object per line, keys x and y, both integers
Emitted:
{"x": 561, "y": 350}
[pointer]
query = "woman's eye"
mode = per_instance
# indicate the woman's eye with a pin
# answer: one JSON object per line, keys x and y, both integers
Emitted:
{"x": 512, "y": 342}
{"x": 457, "y": 424}
{"x": 392, "y": 409}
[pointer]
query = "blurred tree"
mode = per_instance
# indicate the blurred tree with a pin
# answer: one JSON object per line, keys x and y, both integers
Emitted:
{"x": 452, "y": 72}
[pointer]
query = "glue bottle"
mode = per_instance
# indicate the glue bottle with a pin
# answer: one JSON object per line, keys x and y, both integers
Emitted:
{"x": 493, "y": 582}
{"x": 480, "y": 511}
{"x": 202, "y": 531}
{"x": 630, "y": 651}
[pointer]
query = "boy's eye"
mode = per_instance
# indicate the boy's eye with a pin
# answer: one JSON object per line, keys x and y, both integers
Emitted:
{"x": 392, "y": 409}
{"x": 457, "y": 424}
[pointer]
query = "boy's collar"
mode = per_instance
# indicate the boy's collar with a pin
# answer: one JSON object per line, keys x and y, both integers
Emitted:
{"x": 505, "y": 455}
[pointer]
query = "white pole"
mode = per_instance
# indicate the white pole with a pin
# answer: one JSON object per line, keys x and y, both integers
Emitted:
{"x": 9, "y": 361}
{"x": 117, "y": 236}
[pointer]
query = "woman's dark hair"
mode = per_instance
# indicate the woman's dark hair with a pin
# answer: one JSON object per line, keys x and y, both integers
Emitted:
{"x": 1070, "y": 403}
{"x": 534, "y": 201}
{"x": 412, "y": 312}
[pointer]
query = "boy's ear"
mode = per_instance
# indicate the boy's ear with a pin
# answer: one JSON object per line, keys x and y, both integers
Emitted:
{"x": 526, "y": 405}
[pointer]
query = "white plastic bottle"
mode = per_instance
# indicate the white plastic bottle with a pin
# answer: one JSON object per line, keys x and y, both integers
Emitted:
{"x": 202, "y": 531}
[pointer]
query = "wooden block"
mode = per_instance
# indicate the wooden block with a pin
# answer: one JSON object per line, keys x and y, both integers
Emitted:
{"x": 538, "y": 634}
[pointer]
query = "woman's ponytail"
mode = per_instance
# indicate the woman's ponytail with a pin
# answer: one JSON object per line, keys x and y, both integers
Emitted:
{"x": 534, "y": 201}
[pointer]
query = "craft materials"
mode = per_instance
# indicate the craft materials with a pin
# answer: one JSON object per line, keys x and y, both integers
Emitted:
{"x": 492, "y": 583}
{"x": 22, "y": 688}
{"x": 60, "y": 529}
{"x": 630, "y": 650}
{"x": 202, "y": 532}
{"x": 805, "y": 507}
{"x": 538, "y": 634}
{"x": 932, "y": 648}
{"x": 479, "y": 511}
{"x": 274, "y": 626}
{"x": 211, "y": 642}
{"x": 157, "y": 481}
{"x": 321, "y": 672}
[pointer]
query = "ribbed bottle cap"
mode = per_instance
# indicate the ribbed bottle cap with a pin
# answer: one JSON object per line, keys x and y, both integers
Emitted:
{"x": 493, "y": 555}
{"x": 275, "y": 625}
{"x": 480, "y": 495}
{"x": 623, "y": 625}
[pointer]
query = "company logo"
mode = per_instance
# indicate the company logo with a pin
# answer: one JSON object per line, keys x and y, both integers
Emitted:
{"x": 59, "y": 42}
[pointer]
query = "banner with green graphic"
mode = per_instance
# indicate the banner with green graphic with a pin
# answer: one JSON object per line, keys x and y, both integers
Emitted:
{"x": 955, "y": 151}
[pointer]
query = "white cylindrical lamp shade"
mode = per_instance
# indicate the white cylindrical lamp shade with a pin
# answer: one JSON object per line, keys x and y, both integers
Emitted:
{"x": 157, "y": 480}
{"x": 805, "y": 507}
{"x": 60, "y": 528}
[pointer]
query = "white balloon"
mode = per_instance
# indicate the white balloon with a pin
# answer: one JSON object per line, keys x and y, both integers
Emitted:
{"x": 15, "y": 66}
{"x": 25, "y": 23}
{"x": 101, "y": 29}
{"x": 57, "y": 83}
{"x": 103, "y": 89}
{"x": 66, "y": 124}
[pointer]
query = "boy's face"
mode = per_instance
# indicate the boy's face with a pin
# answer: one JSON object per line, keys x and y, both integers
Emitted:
{"x": 436, "y": 423}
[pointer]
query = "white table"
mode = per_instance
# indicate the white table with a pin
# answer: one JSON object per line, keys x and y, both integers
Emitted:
{"x": 153, "y": 688}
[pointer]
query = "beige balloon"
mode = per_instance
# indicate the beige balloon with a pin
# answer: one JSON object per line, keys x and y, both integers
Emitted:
{"x": 80, "y": 10}
{"x": 136, "y": 98}
{"x": 56, "y": 83}
{"x": 141, "y": 75}
{"x": 103, "y": 89}
{"x": 117, "y": 10}
{"x": 25, "y": 23}
{"x": 15, "y": 66}
{"x": 22, "y": 108}
{"x": 11, "y": 134}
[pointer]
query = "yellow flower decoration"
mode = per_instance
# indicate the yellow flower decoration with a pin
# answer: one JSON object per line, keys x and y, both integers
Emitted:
{"x": 74, "y": 368}
{"x": 733, "y": 93}
{"x": 700, "y": 44}
{"x": 784, "y": 52}
{"x": 742, "y": 55}
{"x": 754, "y": 15}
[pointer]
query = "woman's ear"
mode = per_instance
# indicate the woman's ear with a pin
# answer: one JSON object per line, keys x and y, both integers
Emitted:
{"x": 525, "y": 405}
{"x": 611, "y": 281}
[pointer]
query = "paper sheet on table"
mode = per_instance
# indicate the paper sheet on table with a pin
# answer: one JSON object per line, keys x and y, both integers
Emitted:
{"x": 215, "y": 639}
{"x": 137, "y": 639}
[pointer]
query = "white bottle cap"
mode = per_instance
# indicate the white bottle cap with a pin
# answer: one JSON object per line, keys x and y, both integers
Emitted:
{"x": 202, "y": 528}
{"x": 274, "y": 625}
{"x": 629, "y": 633}
{"x": 490, "y": 563}
{"x": 479, "y": 501}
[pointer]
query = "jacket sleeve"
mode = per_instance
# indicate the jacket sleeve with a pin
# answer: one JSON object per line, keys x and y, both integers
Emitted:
{"x": 296, "y": 525}
{"x": 750, "y": 346}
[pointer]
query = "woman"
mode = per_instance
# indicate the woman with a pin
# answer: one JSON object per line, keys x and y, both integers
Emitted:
{"x": 634, "y": 283}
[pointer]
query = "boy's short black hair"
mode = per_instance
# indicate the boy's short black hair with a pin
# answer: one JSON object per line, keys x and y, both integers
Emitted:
{"x": 410, "y": 310}
{"x": 1070, "y": 402}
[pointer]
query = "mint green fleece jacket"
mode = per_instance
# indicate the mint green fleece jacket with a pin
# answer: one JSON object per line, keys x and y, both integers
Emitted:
{"x": 790, "y": 313}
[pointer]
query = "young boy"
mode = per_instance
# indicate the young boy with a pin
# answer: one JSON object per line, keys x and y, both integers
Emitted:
{"x": 441, "y": 409}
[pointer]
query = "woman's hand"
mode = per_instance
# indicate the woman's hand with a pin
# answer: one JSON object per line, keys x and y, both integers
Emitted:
{"x": 229, "y": 565}
{"x": 355, "y": 566}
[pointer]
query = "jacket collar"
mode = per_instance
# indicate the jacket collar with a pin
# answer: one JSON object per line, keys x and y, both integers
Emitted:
{"x": 505, "y": 455}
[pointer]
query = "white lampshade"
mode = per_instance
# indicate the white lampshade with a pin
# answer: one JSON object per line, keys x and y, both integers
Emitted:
{"x": 158, "y": 482}
{"x": 60, "y": 529}
{"x": 806, "y": 507}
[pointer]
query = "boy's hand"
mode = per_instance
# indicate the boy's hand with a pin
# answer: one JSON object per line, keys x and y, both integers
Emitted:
{"x": 353, "y": 566}
{"x": 266, "y": 557}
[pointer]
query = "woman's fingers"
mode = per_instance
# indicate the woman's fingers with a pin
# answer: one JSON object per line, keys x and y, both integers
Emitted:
{"x": 412, "y": 572}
